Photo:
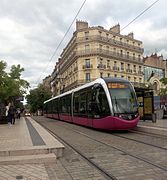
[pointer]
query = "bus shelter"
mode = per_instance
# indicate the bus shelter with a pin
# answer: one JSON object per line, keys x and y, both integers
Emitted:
{"x": 146, "y": 103}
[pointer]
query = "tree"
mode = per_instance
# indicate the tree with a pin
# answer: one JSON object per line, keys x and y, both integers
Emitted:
{"x": 11, "y": 83}
{"x": 163, "y": 91}
{"x": 37, "y": 97}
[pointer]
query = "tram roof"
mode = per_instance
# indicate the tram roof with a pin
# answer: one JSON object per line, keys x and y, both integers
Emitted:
{"x": 99, "y": 80}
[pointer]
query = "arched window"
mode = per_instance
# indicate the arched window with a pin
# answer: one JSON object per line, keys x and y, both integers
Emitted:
{"x": 155, "y": 86}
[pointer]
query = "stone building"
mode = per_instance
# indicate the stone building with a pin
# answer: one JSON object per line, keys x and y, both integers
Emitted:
{"x": 155, "y": 68}
{"x": 47, "y": 82}
{"x": 95, "y": 52}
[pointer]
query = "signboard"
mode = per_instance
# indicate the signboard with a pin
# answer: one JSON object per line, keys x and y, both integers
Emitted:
{"x": 148, "y": 103}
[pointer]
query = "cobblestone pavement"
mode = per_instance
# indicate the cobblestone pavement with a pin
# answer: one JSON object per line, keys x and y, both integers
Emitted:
{"x": 120, "y": 164}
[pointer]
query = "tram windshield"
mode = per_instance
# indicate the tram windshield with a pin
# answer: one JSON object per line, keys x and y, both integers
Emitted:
{"x": 123, "y": 98}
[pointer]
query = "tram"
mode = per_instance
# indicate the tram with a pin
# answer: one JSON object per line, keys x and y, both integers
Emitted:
{"x": 106, "y": 103}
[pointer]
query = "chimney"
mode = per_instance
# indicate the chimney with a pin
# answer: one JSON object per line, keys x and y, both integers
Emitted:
{"x": 115, "y": 29}
{"x": 81, "y": 25}
{"x": 131, "y": 35}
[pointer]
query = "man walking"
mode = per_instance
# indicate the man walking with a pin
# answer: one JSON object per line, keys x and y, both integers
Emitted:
{"x": 11, "y": 113}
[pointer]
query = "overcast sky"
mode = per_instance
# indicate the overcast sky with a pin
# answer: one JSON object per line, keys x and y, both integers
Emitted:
{"x": 30, "y": 30}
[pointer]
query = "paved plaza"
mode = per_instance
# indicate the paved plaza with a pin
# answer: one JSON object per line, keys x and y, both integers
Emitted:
{"x": 27, "y": 150}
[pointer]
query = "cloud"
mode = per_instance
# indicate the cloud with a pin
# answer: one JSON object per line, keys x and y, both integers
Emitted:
{"x": 31, "y": 30}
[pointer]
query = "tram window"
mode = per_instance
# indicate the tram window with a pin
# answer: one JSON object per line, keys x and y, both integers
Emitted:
{"x": 68, "y": 104}
{"x": 80, "y": 104}
{"x": 76, "y": 104}
{"x": 50, "y": 107}
{"x": 54, "y": 106}
{"x": 64, "y": 105}
{"x": 100, "y": 106}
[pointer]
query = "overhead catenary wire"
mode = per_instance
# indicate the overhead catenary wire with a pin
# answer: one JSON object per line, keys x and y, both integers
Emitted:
{"x": 139, "y": 15}
{"x": 72, "y": 24}
{"x": 51, "y": 58}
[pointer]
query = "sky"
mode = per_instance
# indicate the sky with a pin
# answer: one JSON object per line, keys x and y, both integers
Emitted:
{"x": 31, "y": 30}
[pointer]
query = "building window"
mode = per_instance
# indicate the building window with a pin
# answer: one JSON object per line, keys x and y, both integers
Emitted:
{"x": 115, "y": 63}
{"x": 134, "y": 68}
{"x": 108, "y": 63}
{"x": 135, "y": 79}
{"x": 87, "y": 63}
{"x": 101, "y": 74}
{"x": 128, "y": 78}
{"x": 133, "y": 56}
{"x": 87, "y": 35}
{"x": 115, "y": 75}
{"x": 140, "y": 80}
{"x": 139, "y": 68}
{"x": 122, "y": 76}
{"x": 121, "y": 52}
{"x": 107, "y": 49}
{"x": 108, "y": 74}
{"x": 122, "y": 66}
{"x": 128, "y": 55}
{"x": 139, "y": 57}
{"x": 101, "y": 61}
{"x": 100, "y": 47}
{"x": 87, "y": 76}
{"x": 114, "y": 51}
{"x": 87, "y": 48}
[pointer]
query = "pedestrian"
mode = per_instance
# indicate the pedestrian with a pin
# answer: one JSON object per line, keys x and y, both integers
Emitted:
{"x": 18, "y": 113}
{"x": 12, "y": 113}
{"x": 7, "y": 113}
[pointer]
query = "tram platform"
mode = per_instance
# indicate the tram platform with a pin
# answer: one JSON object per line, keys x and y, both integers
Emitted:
{"x": 158, "y": 127}
{"x": 25, "y": 149}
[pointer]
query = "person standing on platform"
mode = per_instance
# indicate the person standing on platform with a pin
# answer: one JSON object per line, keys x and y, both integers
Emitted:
{"x": 12, "y": 113}
{"x": 7, "y": 112}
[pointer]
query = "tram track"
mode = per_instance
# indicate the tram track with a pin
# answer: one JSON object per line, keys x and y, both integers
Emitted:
{"x": 127, "y": 153}
{"x": 124, "y": 152}
{"x": 150, "y": 134}
{"x": 103, "y": 172}
{"x": 139, "y": 141}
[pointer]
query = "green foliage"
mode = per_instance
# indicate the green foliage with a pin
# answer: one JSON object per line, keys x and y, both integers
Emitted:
{"x": 163, "y": 91}
{"x": 11, "y": 83}
{"x": 164, "y": 81}
{"x": 37, "y": 97}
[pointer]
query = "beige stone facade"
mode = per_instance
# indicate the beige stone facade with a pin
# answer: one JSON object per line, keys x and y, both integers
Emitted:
{"x": 46, "y": 82}
{"x": 95, "y": 52}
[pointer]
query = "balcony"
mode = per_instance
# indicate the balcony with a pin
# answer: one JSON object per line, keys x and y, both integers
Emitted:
{"x": 112, "y": 42}
{"x": 101, "y": 66}
{"x": 115, "y": 68}
{"x": 140, "y": 72}
{"x": 109, "y": 54}
{"x": 87, "y": 66}
{"x": 122, "y": 69}
{"x": 129, "y": 70}
{"x": 108, "y": 67}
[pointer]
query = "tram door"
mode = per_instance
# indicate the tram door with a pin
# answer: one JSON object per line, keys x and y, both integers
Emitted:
{"x": 89, "y": 107}
{"x": 97, "y": 104}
